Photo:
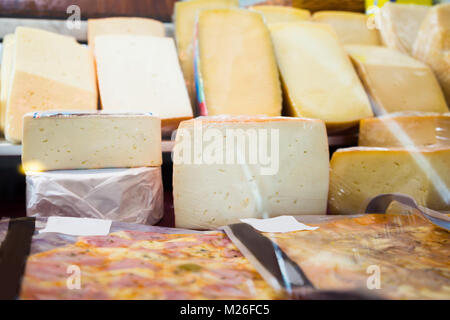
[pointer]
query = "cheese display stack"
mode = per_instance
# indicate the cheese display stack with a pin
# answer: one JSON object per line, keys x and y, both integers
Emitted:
{"x": 49, "y": 72}
{"x": 228, "y": 168}
{"x": 5, "y": 72}
{"x": 318, "y": 78}
{"x": 275, "y": 14}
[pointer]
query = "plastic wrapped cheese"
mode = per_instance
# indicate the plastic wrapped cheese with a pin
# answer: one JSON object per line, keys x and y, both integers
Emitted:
{"x": 128, "y": 195}
{"x": 275, "y": 14}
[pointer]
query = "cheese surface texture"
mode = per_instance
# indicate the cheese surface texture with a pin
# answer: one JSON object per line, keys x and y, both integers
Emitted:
{"x": 185, "y": 16}
{"x": 350, "y": 27}
{"x": 50, "y": 72}
{"x": 90, "y": 141}
{"x": 275, "y": 14}
{"x": 432, "y": 45}
{"x": 141, "y": 74}
{"x": 396, "y": 82}
{"x": 287, "y": 176}
{"x": 318, "y": 77}
{"x": 237, "y": 67}
{"x": 5, "y": 75}
{"x": 358, "y": 174}
{"x": 402, "y": 130}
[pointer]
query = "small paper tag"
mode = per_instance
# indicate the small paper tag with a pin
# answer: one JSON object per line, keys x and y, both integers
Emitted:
{"x": 78, "y": 226}
{"x": 279, "y": 224}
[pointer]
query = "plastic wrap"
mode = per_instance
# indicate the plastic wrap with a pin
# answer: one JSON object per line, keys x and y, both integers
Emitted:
{"x": 128, "y": 195}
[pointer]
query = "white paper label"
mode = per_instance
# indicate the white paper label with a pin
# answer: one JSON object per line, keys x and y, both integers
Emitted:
{"x": 78, "y": 226}
{"x": 279, "y": 224}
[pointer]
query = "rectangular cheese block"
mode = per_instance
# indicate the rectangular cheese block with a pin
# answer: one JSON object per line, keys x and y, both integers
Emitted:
{"x": 358, "y": 174}
{"x": 318, "y": 78}
{"x": 185, "y": 16}
{"x": 50, "y": 72}
{"x": 350, "y": 27}
{"x": 5, "y": 75}
{"x": 54, "y": 141}
{"x": 123, "y": 25}
{"x": 275, "y": 14}
{"x": 228, "y": 168}
{"x": 432, "y": 45}
{"x": 399, "y": 24}
{"x": 405, "y": 129}
{"x": 395, "y": 81}
{"x": 142, "y": 74}
{"x": 236, "y": 70}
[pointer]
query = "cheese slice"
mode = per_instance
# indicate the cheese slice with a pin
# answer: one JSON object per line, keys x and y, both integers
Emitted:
{"x": 399, "y": 25}
{"x": 433, "y": 46}
{"x": 54, "y": 141}
{"x": 228, "y": 168}
{"x": 350, "y": 27}
{"x": 237, "y": 70}
{"x": 396, "y": 82}
{"x": 142, "y": 74}
{"x": 358, "y": 174}
{"x": 50, "y": 72}
{"x": 5, "y": 75}
{"x": 405, "y": 130}
{"x": 123, "y": 26}
{"x": 275, "y": 14}
{"x": 318, "y": 78}
{"x": 185, "y": 16}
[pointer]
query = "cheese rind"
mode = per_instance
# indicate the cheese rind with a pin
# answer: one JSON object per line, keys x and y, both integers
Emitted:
{"x": 50, "y": 72}
{"x": 90, "y": 141}
{"x": 275, "y": 14}
{"x": 5, "y": 75}
{"x": 385, "y": 71}
{"x": 208, "y": 194}
{"x": 359, "y": 174}
{"x": 318, "y": 78}
{"x": 350, "y": 27}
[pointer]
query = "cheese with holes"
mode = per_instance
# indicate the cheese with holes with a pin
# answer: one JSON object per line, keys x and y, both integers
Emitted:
{"x": 350, "y": 27}
{"x": 405, "y": 129}
{"x": 275, "y": 14}
{"x": 396, "y": 82}
{"x": 433, "y": 45}
{"x": 54, "y": 141}
{"x": 237, "y": 70}
{"x": 142, "y": 74}
{"x": 399, "y": 25}
{"x": 123, "y": 26}
{"x": 358, "y": 174}
{"x": 185, "y": 16}
{"x": 50, "y": 72}
{"x": 5, "y": 75}
{"x": 318, "y": 77}
{"x": 228, "y": 168}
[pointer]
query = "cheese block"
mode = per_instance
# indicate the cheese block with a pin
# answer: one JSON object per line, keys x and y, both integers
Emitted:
{"x": 50, "y": 72}
{"x": 185, "y": 16}
{"x": 53, "y": 141}
{"x": 350, "y": 27}
{"x": 399, "y": 24}
{"x": 123, "y": 26}
{"x": 358, "y": 174}
{"x": 5, "y": 75}
{"x": 142, "y": 74}
{"x": 228, "y": 168}
{"x": 275, "y": 14}
{"x": 405, "y": 130}
{"x": 432, "y": 45}
{"x": 395, "y": 81}
{"x": 236, "y": 68}
{"x": 318, "y": 78}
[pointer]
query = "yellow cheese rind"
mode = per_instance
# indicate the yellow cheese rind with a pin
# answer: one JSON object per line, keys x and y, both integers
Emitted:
{"x": 275, "y": 14}
{"x": 90, "y": 141}
{"x": 359, "y": 174}
{"x": 397, "y": 82}
{"x": 50, "y": 72}
{"x": 5, "y": 75}
{"x": 350, "y": 27}
{"x": 432, "y": 45}
{"x": 237, "y": 64}
{"x": 318, "y": 78}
